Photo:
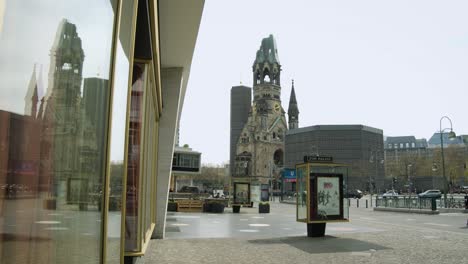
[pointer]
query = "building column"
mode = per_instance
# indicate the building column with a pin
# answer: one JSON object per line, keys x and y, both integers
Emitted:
{"x": 171, "y": 86}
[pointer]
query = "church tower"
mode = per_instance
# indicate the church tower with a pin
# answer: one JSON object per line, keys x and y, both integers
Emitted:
{"x": 293, "y": 111}
{"x": 260, "y": 145}
{"x": 61, "y": 107}
{"x": 31, "y": 99}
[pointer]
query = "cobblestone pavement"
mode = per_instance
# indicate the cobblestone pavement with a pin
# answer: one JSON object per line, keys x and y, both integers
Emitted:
{"x": 369, "y": 238}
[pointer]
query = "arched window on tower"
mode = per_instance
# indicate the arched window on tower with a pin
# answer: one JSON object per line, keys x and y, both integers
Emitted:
{"x": 278, "y": 157}
{"x": 257, "y": 77}
{"x": 266, "y": 76}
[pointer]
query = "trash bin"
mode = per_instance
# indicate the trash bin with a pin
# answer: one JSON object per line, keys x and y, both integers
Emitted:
{"x": 236, "y": 208}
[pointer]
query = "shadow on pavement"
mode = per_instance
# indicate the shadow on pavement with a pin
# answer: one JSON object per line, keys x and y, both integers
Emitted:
{"x": 172, "y": 229}
{"x": 327, "y": 244}
{"x": 16, "y": 237}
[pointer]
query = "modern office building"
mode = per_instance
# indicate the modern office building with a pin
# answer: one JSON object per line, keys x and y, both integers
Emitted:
{"x": 186, "y": 165}
{"x": 86, "y": 148}
{"x": 241, "y": 102}
{"x": 358, "y": 146}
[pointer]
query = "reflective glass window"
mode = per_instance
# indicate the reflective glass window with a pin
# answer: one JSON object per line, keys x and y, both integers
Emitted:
{"x": 55, "y": 61}
{"x": 118, "y": 126}
{"x": 135, "y": 130}
{"x": 301, "y": 192}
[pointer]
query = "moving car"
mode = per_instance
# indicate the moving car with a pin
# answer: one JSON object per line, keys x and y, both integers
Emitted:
{"x": 354, "y": 194}
{"x": 390, "y": 193}
{"x": 464, "y": 189}
{"x": 430, "y": 194}
{"x": 189, "y": 189}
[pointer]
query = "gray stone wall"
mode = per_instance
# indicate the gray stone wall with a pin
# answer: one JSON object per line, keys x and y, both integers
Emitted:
{"x": 354, "y": 145}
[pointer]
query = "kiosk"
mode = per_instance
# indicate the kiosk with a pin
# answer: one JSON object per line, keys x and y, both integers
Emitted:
{"x": 241, "y": 196}
{"x": 320, "y": 185}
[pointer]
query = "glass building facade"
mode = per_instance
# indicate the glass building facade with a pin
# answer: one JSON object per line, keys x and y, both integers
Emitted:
{"x": 81, "y": 103}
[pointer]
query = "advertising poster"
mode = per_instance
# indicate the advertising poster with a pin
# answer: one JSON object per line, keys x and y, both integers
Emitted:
{"x": 255, "y": 193}
{"x": 241, "y": 195}
{"x": 328, "y": 195}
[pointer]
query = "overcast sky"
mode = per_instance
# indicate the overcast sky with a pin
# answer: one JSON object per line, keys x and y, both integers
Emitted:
{"x": 395, "y": 65}
{"x": 28, "y": 33}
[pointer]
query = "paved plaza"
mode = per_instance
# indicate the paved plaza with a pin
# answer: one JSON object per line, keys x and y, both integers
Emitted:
{"x": 370, "y": 237}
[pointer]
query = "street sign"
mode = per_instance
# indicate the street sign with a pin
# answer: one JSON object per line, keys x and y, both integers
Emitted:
{"x": 318, "y": 159}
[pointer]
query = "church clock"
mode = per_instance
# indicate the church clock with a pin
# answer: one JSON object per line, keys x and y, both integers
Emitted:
{"x": 277, "y": 108}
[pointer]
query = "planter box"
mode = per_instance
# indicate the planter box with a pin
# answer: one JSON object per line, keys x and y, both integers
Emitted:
{"x": 236, "y": 208}
{"x": 50, "y": 204}
{"x": 172, "y": 207}
{"x": 217, "y": 208}
{"x": 263, "y": 208}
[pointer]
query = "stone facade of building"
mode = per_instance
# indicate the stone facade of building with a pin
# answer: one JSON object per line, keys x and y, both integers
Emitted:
{"x": 259, "y": 154}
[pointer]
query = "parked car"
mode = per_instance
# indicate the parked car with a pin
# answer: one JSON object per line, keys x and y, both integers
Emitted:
{"x": 390, "y": 194}
{"x": 464, "y": 189}
{"x": 430, "y": 194}
{"x": 354, "y": 194}
{"x": 189, "y": 189}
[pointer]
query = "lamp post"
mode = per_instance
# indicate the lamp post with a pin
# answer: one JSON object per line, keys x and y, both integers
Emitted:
{"x": 372, "y": 179}
{"x": 408, "y": 177}
{"x": 451, "y": 135}
{"x": 434, "y": 169}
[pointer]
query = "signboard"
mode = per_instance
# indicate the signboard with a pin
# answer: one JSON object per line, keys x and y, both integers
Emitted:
{"x": 241, "y": 193}
{"x": 288, "y": 174}
{"x": 289, "y": 180}
{"x": 255, "y": 193}
{"x": 320, "y": 187}
{"x": 328, "y": 194}
{"x": 265, "y": 192}
{"x": 327, "y": 159}
{"x": 326, "y": 201}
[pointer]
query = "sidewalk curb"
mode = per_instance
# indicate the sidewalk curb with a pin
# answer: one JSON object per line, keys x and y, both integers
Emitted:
{"x": 405, "y": 210}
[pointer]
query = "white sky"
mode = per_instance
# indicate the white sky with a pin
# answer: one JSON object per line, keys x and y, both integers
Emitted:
{"x": 395, "y": 65}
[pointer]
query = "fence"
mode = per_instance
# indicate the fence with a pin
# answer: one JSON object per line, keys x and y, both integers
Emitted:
{"x": 414, "y": 202}
{"x": 408, "y": 202}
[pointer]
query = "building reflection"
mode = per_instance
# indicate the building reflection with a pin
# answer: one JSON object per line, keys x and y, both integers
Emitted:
{"x": 56, "y": 150}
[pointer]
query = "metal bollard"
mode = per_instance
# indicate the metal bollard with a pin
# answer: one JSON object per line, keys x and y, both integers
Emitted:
{"x": 367, "y": 204}
{"x": 349, "y": 202}
{"x": 433, "y": 204}
{"x": 357, "y": 203}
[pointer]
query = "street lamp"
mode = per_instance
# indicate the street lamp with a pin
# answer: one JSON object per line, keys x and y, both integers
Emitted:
{"x": 372, "y": 179}
{"x": 451, "y": 136}
{"x": 408, "y": 177}
{"x": 434, "y": 169}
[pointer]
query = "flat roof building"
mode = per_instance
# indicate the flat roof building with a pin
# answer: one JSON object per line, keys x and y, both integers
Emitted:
{"x": 359, "y": 146}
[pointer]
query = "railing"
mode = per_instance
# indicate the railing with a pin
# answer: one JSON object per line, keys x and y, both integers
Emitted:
{"x": 401, "y": 201}
{"x": 407, "y": 202}
{"x": 414, "y": 202}
{"x": 452, "y": 202}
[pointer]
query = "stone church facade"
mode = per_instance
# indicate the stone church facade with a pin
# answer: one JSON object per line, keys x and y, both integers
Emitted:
{"x": 259, "y": 152}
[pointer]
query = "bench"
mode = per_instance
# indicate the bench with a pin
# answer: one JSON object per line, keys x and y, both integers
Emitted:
{"x": 187, "y": 205}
